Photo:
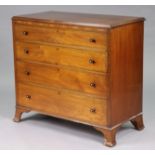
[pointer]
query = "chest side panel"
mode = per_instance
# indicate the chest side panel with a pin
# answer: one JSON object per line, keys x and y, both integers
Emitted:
{"x": 126, "y": 61}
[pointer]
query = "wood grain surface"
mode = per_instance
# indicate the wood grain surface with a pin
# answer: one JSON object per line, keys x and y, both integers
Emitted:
{"x": 58, "y": 55}
{"x": 60, "y": 36}
{"x": 63, "y": 104}
{"x": 55, "y": 76}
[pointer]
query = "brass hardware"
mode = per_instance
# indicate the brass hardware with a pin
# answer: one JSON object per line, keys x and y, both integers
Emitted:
{"x": 27, "y": 73}
{"x": 91, "y": 61}
{"x": 92, "y": 40}
{"x": 26, "y": 51}
{"x": 93, "y": 110}
{"x": 28, "y": 97}
{"x": 93, "y": 84}
{"x": 25, "y": 33}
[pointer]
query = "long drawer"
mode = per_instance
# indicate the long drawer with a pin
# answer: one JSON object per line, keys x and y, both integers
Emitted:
{"x": 52, "y": 75}
{"x": 60, "y": 36}
{"x": 62, "y": 104}
{"x": 86, "y": 59}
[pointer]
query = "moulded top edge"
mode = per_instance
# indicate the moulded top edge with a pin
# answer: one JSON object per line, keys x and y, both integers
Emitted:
{"x": 79, "y": 19}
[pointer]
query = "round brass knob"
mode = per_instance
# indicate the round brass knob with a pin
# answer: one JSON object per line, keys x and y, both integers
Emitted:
{"x": 92, "y": 40}
{"x": 26, "y": 51}
{"x": 93, "y": 84}
{"x": 92, "y": 61}
{"x": 25, "y": 33}
{"x": 93, "y": 110}
{"x": 27, "y": 73}
{"x": 28, "y": 97}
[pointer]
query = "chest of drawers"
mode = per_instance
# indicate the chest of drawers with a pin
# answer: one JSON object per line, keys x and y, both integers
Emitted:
{"x": 80, "y": 67}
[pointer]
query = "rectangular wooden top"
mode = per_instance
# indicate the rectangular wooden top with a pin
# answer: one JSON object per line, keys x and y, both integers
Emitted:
{"x": 79, "y": 19}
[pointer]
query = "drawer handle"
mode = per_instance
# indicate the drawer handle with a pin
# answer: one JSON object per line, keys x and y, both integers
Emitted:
{"x": 28, "y": 97}
{"x": 93, "y": 110}
{"x": 27, "y": 73}
{"x": 25, "y": 33}
{"x": 26, "y": 51}
{"x": 93, "y": 85}
{"x": 92, "y": 61}
{"x": 92, "y": 40}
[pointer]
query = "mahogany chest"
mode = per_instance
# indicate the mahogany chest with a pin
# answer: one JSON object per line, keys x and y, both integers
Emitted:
{"x": 80, "y": 67}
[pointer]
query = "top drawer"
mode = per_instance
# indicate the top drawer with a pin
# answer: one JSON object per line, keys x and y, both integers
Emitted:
{"x": 60, "y": 36}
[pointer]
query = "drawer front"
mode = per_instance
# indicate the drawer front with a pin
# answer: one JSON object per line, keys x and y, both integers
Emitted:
{"x": 51, "y": 75}
{"x": 86, "y": 59}
{"x": 60, "y": 36}
{"x": 62, "y": 104}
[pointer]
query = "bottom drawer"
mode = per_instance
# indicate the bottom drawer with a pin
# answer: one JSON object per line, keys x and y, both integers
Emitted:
{"x": 63, "y": 104}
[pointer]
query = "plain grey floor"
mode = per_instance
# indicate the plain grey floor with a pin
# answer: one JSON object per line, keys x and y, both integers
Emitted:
{"x": 37, "y": 131}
